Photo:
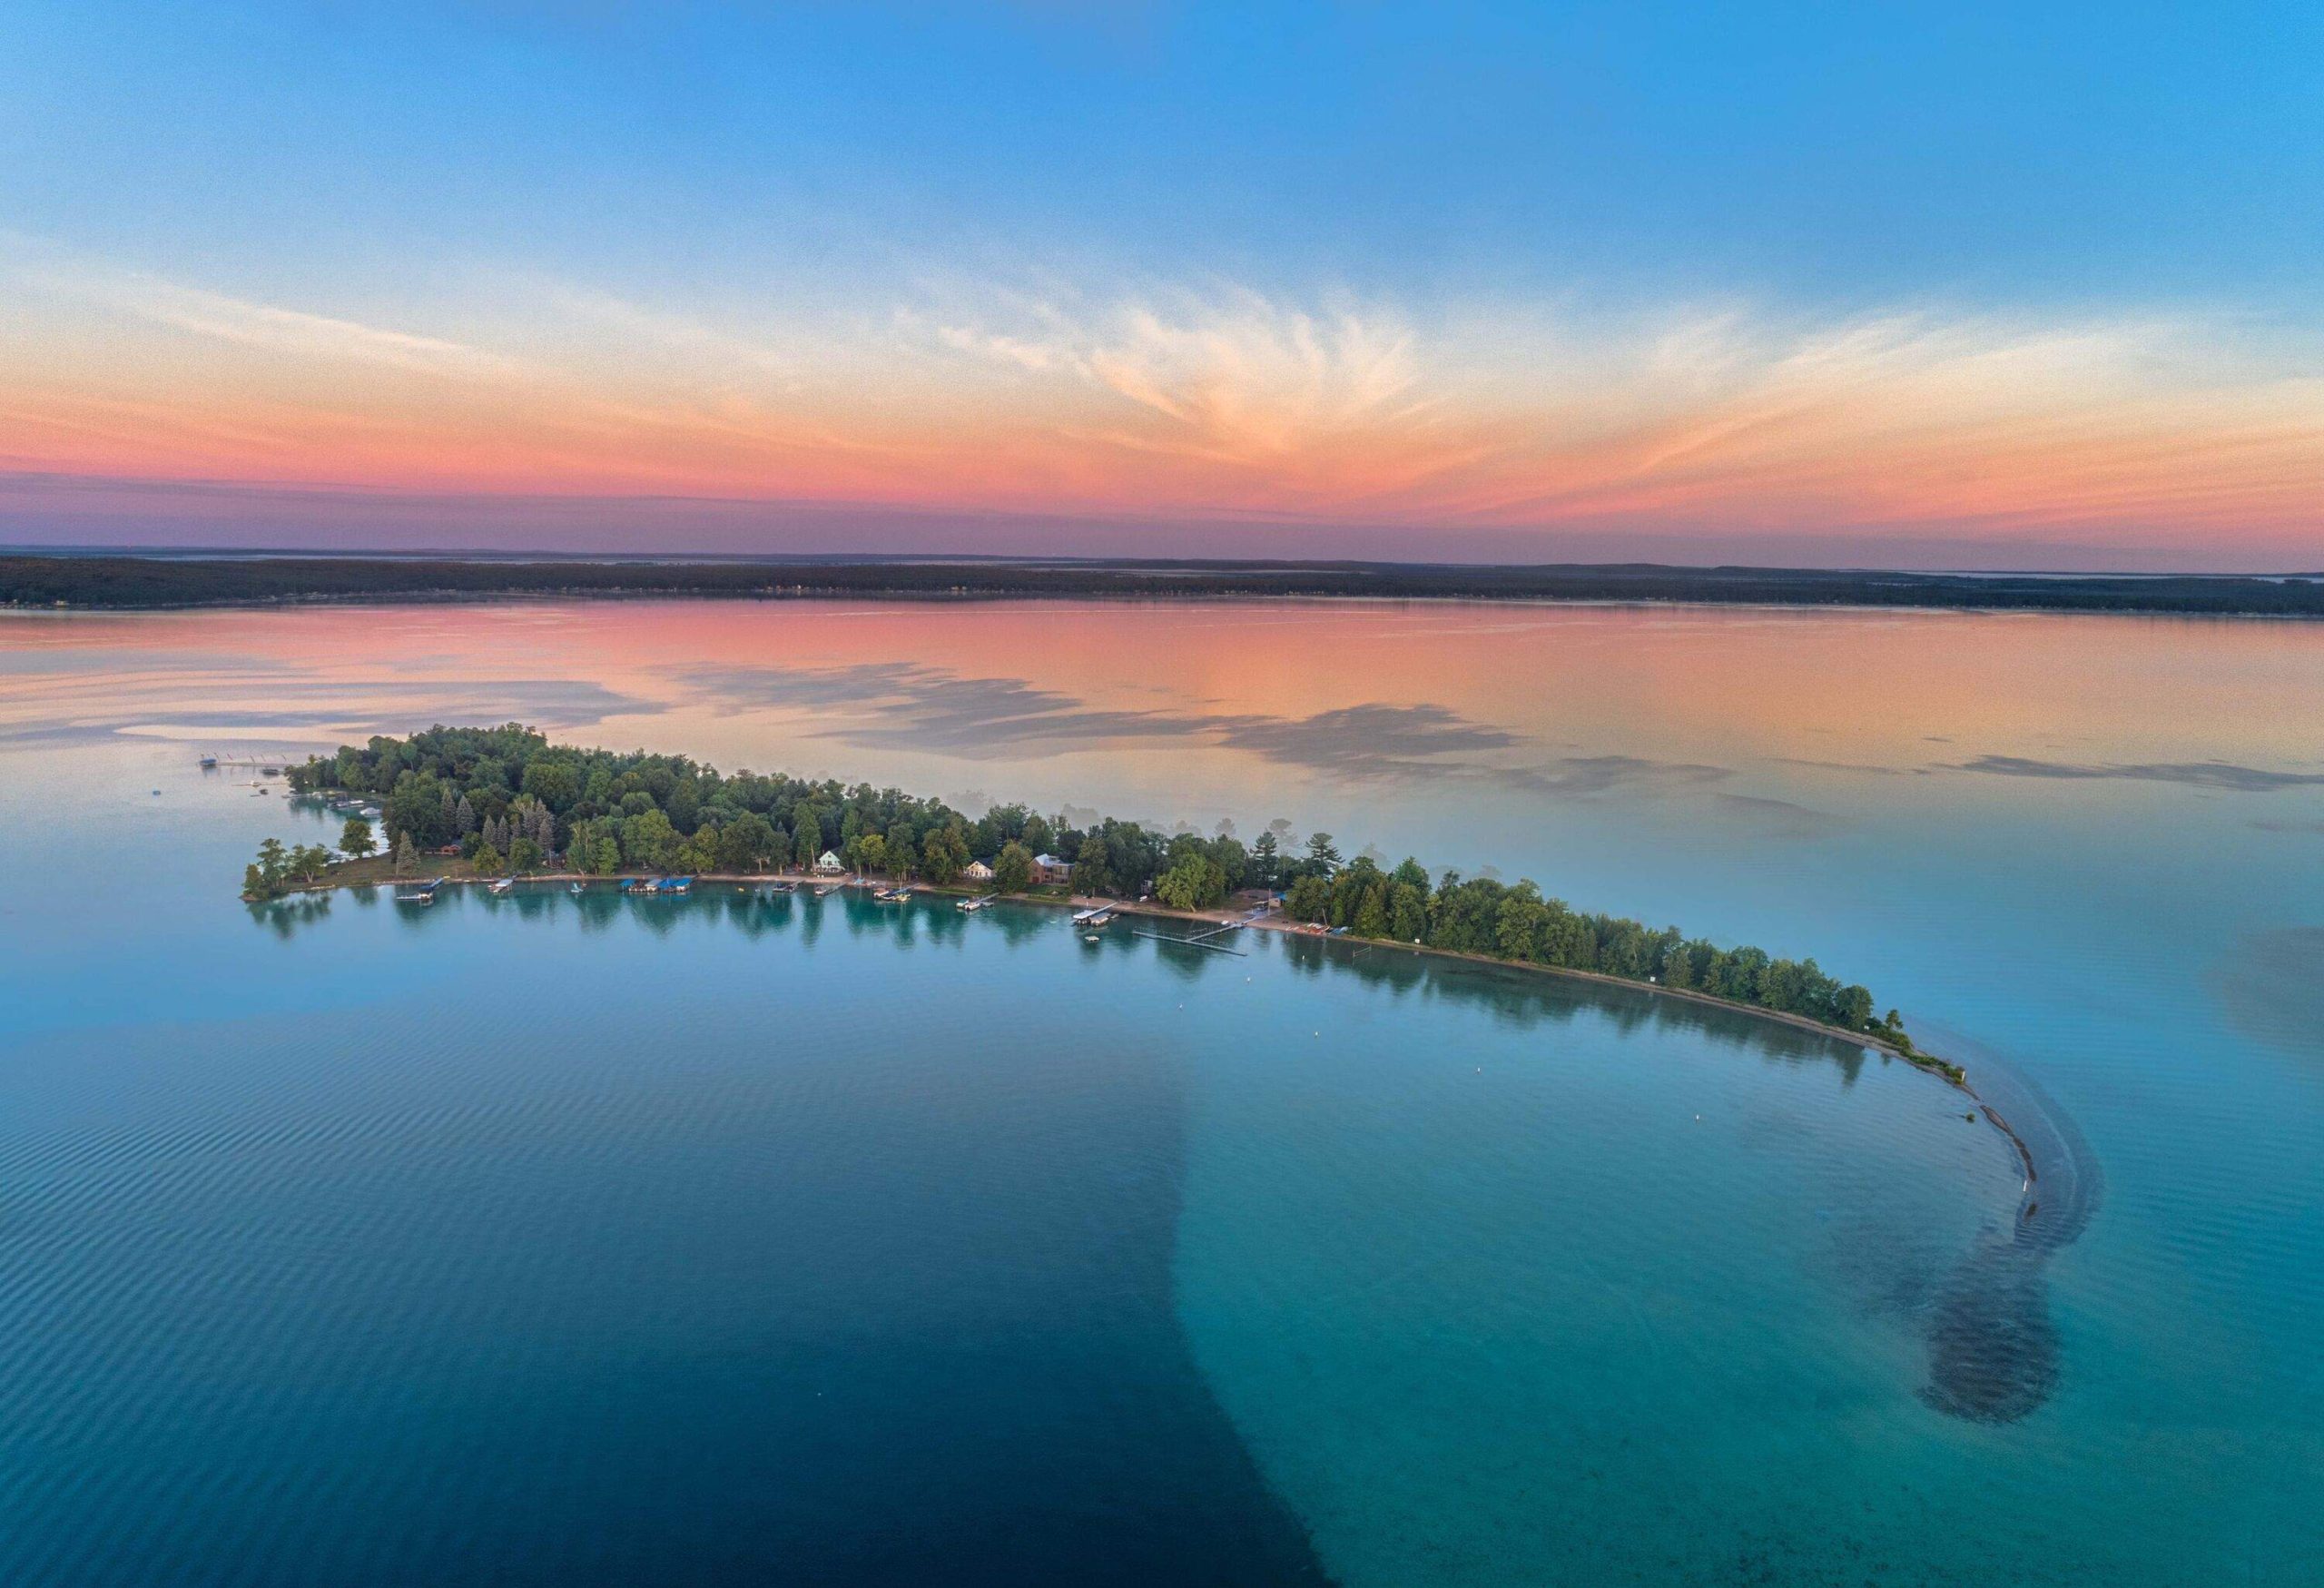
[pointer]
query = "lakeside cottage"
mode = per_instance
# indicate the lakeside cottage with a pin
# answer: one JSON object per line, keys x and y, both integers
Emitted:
{"x": 831, "y": 865}
{"x": 1050, "y": 868}
{"x": 977, "y": 871}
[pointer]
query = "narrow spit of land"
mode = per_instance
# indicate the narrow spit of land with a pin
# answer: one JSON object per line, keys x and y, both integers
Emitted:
{"x": 499, "y": 803}
{"x": 223, "y": 579}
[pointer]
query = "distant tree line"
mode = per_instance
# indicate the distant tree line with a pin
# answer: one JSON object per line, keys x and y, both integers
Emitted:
{"x": 146, "y": 581}
{"x": 508, "y": 800}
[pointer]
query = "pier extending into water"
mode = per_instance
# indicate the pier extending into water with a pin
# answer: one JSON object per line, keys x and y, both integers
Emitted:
{"x": 1200, "y": 939}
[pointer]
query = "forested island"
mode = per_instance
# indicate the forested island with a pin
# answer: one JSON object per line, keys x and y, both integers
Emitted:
{"x": 217, "y": 580}
{"x": 503, "y": 801}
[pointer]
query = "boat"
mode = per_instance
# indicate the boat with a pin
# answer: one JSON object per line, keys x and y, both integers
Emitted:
{"x": 419, "y": 893}
{"x": 502, "y": 886}
{"x": 972, "y": 906}
{"x": 210, "y": 764}
{"x": 823, "y": 889}
{"x": 575, "y": 889}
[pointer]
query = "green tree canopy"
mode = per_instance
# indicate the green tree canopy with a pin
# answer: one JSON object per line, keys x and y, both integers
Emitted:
{"x": 1012, "y": 869}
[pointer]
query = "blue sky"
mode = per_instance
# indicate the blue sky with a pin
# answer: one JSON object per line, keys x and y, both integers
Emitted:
{"x": 1812, "y": 163}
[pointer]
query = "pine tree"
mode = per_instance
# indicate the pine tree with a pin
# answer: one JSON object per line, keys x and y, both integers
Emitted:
{"x": 406, "y": 857}
{"x": 464, "y": 816}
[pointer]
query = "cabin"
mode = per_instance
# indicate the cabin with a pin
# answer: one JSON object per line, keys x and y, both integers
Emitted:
{"x": 1051, "y": 868}
{"x": 831, "y": 865}
{"x": 977, "y": 871}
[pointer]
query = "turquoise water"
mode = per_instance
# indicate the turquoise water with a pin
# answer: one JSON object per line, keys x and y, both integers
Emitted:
{"x": 548, "y": 1240}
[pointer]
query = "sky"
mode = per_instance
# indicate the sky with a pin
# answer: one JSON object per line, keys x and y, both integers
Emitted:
{"x": 1965, "y": 285}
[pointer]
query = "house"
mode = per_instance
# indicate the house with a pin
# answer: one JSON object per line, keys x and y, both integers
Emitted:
{"x": 977, "y": 871}
{"x": 831, "y": 865}
{"x": 1050, "y": 868}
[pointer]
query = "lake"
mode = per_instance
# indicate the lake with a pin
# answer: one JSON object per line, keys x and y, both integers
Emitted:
{"x": 546, "y": 1239}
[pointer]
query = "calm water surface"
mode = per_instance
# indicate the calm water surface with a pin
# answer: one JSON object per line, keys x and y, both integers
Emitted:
{"x": 553, "y": 1240}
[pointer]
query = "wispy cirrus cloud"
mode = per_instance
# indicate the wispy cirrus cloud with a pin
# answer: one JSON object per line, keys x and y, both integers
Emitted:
{"x": 1192, "y": 404}
{"x": 222, "y": 317}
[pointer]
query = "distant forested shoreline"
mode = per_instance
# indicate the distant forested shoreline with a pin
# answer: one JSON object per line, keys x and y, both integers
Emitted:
{"x": 158, "y": 581}
{"x": 507, "y": 802}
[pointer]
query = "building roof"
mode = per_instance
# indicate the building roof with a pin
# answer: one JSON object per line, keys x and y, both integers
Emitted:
{"x": 1051, "y": 863}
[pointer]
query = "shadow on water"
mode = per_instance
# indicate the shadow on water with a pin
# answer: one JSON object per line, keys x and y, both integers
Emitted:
{"x": 939, "y": 1339}
{"x": 2271, "y": 984}
{"x": 1992, "y": 1343}
{"x": 285, "y": 917}
{"x": 1524, "y": 998}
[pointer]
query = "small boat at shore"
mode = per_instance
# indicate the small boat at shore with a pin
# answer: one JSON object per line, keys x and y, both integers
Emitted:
{"x": 500, "y": 886}
{"x": 970, "y": 906}
{"x": 419, "y": 893}
{"x": 576, "y": 890}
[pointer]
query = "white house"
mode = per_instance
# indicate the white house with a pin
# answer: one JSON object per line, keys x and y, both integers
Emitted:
{"x": 831, "y": 865}
{"x": 977, "y": 871}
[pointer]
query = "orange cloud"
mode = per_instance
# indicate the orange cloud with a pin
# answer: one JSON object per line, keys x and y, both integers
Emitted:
{"x": 1215, "y": 403}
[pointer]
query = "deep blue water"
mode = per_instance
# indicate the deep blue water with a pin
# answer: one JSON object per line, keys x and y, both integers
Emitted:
{"x": 733, "y": 1239}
